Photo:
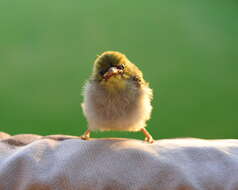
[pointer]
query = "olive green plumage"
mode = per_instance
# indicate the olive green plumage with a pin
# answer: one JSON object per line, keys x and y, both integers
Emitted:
{"x": 116, "y": 59}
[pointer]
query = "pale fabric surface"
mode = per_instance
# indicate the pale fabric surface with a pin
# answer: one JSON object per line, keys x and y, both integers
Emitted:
{"x": 31, "y": 162}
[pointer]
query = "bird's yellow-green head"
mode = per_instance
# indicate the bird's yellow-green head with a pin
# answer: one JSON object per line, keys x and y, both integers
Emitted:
{"x": 114, "y": 71}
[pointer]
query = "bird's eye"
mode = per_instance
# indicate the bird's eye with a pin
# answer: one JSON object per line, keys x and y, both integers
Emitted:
{"x": 121, "y": 67}
{"x": 136, "y": 79}
{"x": 102, "y": 72}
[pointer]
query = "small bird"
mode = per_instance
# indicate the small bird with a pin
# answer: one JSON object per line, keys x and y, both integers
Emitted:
{"x": 116, "y": 97}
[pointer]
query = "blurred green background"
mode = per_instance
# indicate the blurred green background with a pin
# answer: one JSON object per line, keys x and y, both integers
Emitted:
{"x": 188, "y": 51}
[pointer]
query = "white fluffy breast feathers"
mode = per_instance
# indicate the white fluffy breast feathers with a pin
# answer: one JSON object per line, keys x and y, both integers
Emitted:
{"x": 127, "y": 110}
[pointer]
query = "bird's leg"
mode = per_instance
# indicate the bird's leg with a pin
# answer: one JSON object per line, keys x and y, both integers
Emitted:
{"x": 86, "y": 135}
{"x": 148, "y": 137}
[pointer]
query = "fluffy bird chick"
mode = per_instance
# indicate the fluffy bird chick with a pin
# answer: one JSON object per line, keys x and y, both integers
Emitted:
{"x": 116, "y": 97}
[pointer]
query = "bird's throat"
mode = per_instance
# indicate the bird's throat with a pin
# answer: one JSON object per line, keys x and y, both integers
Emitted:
{"x": 115, "y": 83}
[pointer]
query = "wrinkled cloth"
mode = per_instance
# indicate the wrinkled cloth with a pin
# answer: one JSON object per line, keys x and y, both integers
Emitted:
{"x": 60, "y": 162}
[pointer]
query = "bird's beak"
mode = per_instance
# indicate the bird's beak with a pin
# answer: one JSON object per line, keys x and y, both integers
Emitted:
{"x": 111, "y": 72}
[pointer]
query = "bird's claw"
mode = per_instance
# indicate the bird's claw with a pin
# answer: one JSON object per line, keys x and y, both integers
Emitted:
{"x": 149, "y": 139}
{"x": 84, "y": 137}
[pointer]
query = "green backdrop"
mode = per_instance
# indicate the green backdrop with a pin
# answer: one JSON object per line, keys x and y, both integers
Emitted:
{"x": 188, "y": 51}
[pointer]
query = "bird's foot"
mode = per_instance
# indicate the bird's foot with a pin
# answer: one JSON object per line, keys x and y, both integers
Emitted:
{"x": 84, "y": 137}
{"x": 149, "y": 139}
